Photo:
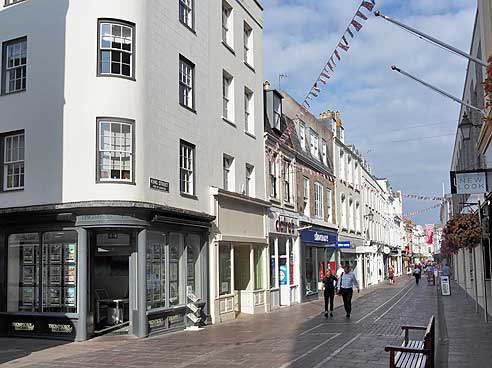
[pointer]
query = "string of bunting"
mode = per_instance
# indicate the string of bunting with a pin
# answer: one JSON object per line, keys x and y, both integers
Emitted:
{"x": 418, "y": 212}
{"x": 343, "y": 46}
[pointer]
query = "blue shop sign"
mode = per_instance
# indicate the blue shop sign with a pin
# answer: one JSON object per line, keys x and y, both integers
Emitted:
{"x": 319, "y": 237}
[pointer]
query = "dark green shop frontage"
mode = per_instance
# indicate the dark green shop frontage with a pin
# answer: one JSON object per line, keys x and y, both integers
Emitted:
{"x": 79, "y": 270}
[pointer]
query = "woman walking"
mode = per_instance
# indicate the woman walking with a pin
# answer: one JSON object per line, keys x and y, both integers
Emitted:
{"x": 329, "y": 286}
{"x": 391, "y": 275}
{"x": 416, "y": 274}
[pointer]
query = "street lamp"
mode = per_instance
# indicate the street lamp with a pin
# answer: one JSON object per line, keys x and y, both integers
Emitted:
{"x": 466, "y": 126}
{"x": 369, "y": 216}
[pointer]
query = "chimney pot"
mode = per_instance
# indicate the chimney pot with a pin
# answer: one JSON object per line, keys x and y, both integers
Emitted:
{"x": 266, "y": 86}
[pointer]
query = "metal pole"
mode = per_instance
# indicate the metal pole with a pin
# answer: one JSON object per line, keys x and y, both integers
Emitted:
{"x": 475, "y": 276}
{"x": 440, "y": 91}
{"x": 483, "y": 265}
{"x": 432, "y": 39}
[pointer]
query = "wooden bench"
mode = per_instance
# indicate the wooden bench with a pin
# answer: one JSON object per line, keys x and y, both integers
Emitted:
{"x": 414, "y": 354}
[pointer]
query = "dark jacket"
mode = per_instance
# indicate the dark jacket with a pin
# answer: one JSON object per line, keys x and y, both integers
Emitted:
{"x": 330, "y": 282}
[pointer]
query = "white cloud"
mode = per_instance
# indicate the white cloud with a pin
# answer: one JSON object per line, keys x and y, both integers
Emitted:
{"x": 373, "y": 99}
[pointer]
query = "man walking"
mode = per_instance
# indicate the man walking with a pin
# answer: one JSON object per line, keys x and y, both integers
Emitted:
{"x": 339, "y": 271}
{"x": 329, "y": 286}
{"x": 347, "y": 282}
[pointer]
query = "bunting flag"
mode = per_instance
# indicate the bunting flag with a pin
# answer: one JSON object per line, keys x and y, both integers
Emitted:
{"x": 345, "y": 40}
{"x": 349, "y": 31}
{"x": 418, "y": 212}
{"x": 361, "y": 15}
{"x": 369, "y": 5}
{"x": 356, "y": 25}
{"x": 329, "y": 66}
{"x": 337, "y": 54}
{"x": 343, "y": 47}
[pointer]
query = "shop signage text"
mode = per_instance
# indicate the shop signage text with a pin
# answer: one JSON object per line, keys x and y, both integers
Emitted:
{"x": 471, "y": 182}
{"x": 160, "y": 185}
{"x": 282, "y": 224}
{"x": 60, "y": 328}
{"x": 319, "y": 237}
{"x": 23, "y": 326}
{"x": 158, "y": 322}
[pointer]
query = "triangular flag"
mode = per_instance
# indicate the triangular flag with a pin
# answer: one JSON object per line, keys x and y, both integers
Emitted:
{"x": 329, "y": 66}
{"x": 332, "y": 61}
{"x": 316, "y": 88}
{"x": 308, "y": 105}
{"x": 323, "y": 74}
{"x": 349, "y": 31}
{"x": 312, "y": 93}
{"x": 361, "y": 15}
{"x": 369, "y": 6}
{"x": 345, "y": 40}
{"x": 342, "y": 46}
{"x": 356, "y": 25}
{"x": 321, "y": 80}
{"x": 337, "y": 54}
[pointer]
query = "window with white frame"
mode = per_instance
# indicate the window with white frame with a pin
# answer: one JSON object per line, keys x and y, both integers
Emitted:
{"x": 248, "y": 44}
{"x": 116, "y": 48}
{"x": 350, "y": 178}
{"x": 306, "y": 204}
{"x": 343, "y": 206}
{"x": 272, "y": 168}
{"x": 302, "y": 135}
{"x": 227, "y": 24}
{"x": 186, "y": 12}
{"x": 187, "y": 168}
{"x": 15, "y": 66}
{"x": 314, "y": 144}
{"x": 328, "y": 205}
{"x": 351, "y": 215}
{"x": 341, "y": 174}
{"x": 115, "y": 150}
{"x": 227, "y": 98}
{"x": 249, "y": 111}
{"x": 287, "y": 174}
{"x": 318, "y": 200}
{"x": 186, "y": 83}
{"x": 277, "y": 112}
{"x": 324, "y": 152}
{"x": 227, "y": 166}
{"x": 250, "y": 180}
{"x": 13, "y": 162}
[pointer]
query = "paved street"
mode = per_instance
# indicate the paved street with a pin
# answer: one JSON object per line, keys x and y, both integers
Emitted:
{"x": 299, "y": 336}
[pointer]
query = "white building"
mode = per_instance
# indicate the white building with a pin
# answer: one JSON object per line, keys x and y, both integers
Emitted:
{"x": 131, "y": 140}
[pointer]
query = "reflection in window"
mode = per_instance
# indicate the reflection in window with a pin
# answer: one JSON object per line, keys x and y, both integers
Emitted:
{"x": 116, "y": 49}
{"x": 156, "y": 270}
{"x": 193, "y": 266}
{"x": 115, "y": 151}
{"x": 175, "y": 251}
{"x": 225, "y": 270}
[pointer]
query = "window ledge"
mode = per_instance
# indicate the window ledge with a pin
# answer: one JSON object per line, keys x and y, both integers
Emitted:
{"x": 250, "y": 134}
{"x": 99, "y": 181}
{"x": 192, "y": 30}
{"x": 229, "y": 122}
{"x": 12, "y": 190}
{"x": 190, "y": 196}
{"x": 16, "y": 3}
{"x": 15, "y": 92}
{"x": 251, "y": 67}
{"x": 289, "y": 204}
{"x": 274, "y": 200}
{"x": 100, "y": 75}
{"x": 188, "y": 108}
{"x": 226, "y": 45}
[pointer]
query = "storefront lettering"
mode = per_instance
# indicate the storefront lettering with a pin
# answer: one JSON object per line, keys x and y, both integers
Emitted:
{"x": 285, "y": 225}
{"x": 60, "y": 328}
{"x": 153, "y": 323}
{"x": 321, "y": 237}
{"x": 23, "y": 326}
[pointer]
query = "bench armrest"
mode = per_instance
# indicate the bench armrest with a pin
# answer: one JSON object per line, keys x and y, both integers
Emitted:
{"x": 403, "y": 349}
{"x": 414, "y": 327}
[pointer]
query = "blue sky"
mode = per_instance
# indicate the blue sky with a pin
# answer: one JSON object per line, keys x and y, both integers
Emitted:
{"x": 384, "y": 114}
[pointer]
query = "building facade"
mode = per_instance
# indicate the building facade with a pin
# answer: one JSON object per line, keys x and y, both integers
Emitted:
{"x": 131, "y": 163}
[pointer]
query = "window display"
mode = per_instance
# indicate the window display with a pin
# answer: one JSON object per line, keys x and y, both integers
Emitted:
{"x": 156, "y": 270}
{"x": 175, "y": 252}
{"x": 273, "y": 262}
{"x": 225, "y": 270}
{"x": 45, "y": 270}
{"x": 193, "y": 265}
{"x": 258, "y": 259}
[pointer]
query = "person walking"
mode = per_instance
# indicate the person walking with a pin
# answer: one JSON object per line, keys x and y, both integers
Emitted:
{"x": 391, "y": 275}
{"x": 445, "y": 270}
{"x": 339, "y": 271}
{"x": 347, "y": 282}
{"x": 416, "y": 274}
{"x": 329, "y": 285}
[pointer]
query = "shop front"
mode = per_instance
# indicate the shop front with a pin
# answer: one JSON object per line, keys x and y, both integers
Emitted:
{"x": 78, "y": 271}
{"x": 352, "y": 254}
{"x": 284, "y": 257}
{"x": 318, "y": 252}
{"x": 238, "y": 256}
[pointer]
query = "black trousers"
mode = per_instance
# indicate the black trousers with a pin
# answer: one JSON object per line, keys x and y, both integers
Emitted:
{"x": 417, "y": 278}
{"x": 347, "y": 299}
{"x": 329, "y": 296}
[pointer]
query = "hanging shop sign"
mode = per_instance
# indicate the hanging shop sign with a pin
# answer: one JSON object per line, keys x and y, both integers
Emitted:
{"x": 468, "y": 182}
{"x": 319, "y": 237}
{"x": 282, "y": 224}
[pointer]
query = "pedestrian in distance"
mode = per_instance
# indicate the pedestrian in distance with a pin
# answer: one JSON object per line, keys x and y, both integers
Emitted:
{"x": 347, "y": 282}
{"x": 339, "y": 271}
{"x": 329, "y": 286}
{"x": 445, "y": 270}
{"x": 416, "y": 274}
{"x": 391, "y": 275}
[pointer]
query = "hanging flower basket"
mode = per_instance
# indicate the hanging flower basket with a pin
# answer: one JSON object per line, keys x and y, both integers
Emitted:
{"x": 462, "y": 231}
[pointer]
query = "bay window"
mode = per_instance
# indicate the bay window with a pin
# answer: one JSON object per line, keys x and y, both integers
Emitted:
{"x": 116, "y": 48}
{"x": 13, "y": 162}
{"x": 14, "y": 66}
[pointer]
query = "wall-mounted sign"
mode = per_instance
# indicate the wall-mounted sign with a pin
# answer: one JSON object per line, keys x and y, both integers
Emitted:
{"x": 282, "y": 224}
{"x": 468, "y": 182}
{"x": 160, "y": 185}
{"x": 283, "y": 274}
{"x": 319, "y": 237}
{"x": 158, "y": 322}
{"x": 23, "y": 326}
{"x": 343, "y": 244}
{"x": 60, "y": 328}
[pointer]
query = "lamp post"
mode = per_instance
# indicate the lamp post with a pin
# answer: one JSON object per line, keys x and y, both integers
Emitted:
{"x": 466, "y": 126}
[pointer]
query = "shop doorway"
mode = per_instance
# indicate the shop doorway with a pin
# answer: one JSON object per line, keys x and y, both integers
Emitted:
{"x": 242, "y": 277}
{"x": 111, "y": 281}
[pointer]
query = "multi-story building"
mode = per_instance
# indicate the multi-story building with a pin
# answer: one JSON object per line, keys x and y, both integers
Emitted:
{"x": 132, "y": 154}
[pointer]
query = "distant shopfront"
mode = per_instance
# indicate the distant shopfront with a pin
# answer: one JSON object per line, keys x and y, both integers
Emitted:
{"x": 284, "y": 257}
{"x": 318, "y": 252}
{"x": 74, "y": 272}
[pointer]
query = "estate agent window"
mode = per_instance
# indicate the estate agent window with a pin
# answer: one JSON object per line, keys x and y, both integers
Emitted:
{"x": 42, "y": 272}
{"x": 173, "y": 268}
{"x": 187, "y": 168}
{"x": 186, "y": 12}
{"x": 13, "y": 162}
{"x": 186, "y": 83}
{"x": 14, "y": 66}
{"x": 115, "y": 154}
{"x": 116, "y": 49}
